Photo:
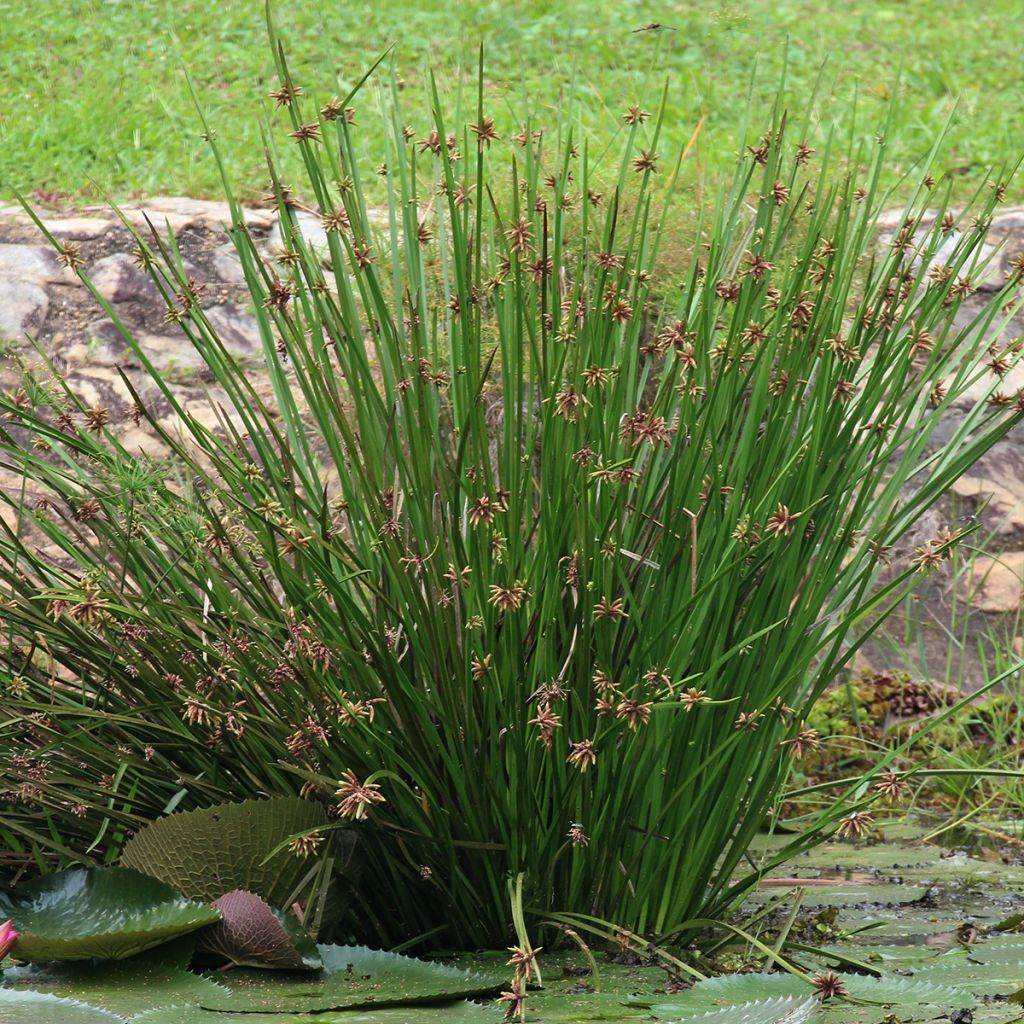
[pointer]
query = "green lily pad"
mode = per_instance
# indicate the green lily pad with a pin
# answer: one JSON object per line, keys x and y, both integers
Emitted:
{"x": 880, "y": 957}
{"x": 885, "y": 858}
{"x": 209, "y": 852}
{"x": 879, "y": 894}
{"x": 1001, "y": 949}
{"x": 912, "y": 924}
{"x": 107, "y": 913}
{"x": 253, "y": 934}
{"x": 581, "y": 1008}
{"x": 352, "y": 976}
{"x": 38, "y": 1008}
{"x": 999, "y": 978}
{"x": 783, "y": 1010}
{"x": 448, "y": 1013}
{"x": 159, "y": 977}
{"x": 735, "y": 989}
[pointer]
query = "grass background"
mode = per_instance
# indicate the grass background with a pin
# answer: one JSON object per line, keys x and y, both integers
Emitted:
{"x": 95, "y": 102}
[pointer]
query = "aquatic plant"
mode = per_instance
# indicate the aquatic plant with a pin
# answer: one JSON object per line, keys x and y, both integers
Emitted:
{"x": 534, "y": 552}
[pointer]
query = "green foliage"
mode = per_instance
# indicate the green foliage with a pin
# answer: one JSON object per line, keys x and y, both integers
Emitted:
{"x": 156, "y": 978}
{"x": 19, "y": 1007}
{"x": 909, "y": 993}
{"x": 925, "y": 980}
{"x": 252, "y": 934}
{"x": 351, "y": 977}
{"x": 788, "y": 1009}
{"x": 537, "y": 557}
{"x": 449, "y": 1013}
{"x": 207, "y": 853}
{"x": 106, "y": 913}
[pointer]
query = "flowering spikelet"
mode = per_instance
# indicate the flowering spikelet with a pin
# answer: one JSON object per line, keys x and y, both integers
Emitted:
{"x": 484, "y": 132}
{"x": 805, "y": 739}
{"x": 522, "y": 959}
{"x": 547, "y": 722}
{"x": 568, "y": 403}
{"x": 891, "y": 785}
{"x": 336, "y": 220}
{"x": 582, "y": 755}
{"x": 646, "y": 161}
{"x": 304, "y": 846}
{"x": 96, "y": 419}
{"x": 354, "y": 796}
{"x": 520, "y": 237}
{"x": 508, "y": 598}
{"x": 283, "y": 97}
{"x": 633, "y": 712}
{"x": 482, "y": 511}
{"x": 516, "y": 999}
{"x": 70, "y": 255}
{"x": 781, "y": 521}
{"x": 605, "y": 609}
{"x": 855, "y": 824}
{"x": 692, "y": 697}
{"x": 828, "y": 986}
{"x": 576, "y": 835}
{"x": 306, "y": 132}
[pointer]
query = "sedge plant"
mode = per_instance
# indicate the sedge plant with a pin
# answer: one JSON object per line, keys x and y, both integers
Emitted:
{"x": 523, "y": 549}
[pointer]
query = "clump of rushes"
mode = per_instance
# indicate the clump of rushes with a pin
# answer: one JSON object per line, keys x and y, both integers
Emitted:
{"x": 536, "y": 559}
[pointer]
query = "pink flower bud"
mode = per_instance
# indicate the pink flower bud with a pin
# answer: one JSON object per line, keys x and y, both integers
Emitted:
{"x": 8, "y": 936}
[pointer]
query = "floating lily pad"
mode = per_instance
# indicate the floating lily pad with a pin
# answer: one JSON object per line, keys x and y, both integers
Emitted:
{"x": 1001, "y": 949}
{"x": 448, "y": 1013}
{"x": 159, "y": 977}
{"x": 880, "y": 957}
{"x": 877, "y": 894}
{"x": 999, "y": 978}
{"x": 107, "y": 913}
{"x": 38, "y": 1008}
{"x": 352, "y": 976}
{"x": 209, "y": 852}
{"x": 912, "y": 924}
{"x": 253, "y": 934}
{"x": 582, "y": 1008}
{"x": 883, "y": 857}
{"x": 736, "y": 989}
{"x": 784, "y": 1010}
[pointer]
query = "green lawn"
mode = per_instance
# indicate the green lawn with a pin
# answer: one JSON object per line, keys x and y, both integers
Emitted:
{"x": 94, "y": 100}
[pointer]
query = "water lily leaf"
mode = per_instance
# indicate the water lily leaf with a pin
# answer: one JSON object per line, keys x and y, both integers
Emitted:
{"x": 448, "y": 1013}
{"x": 39, "y": 1008}
{"x": 999, "y": 978}
{"x": 352, "y": 976}
{"x": 108, "y": 913}
{"x": 911, "y": 924}
{"x": 907, "y": 992}
{"x": 735, "y": 989}
{"x": 209, "y": 852}
{"x": 782, "y": 1010}
{"x": 849, "y": 895}
{"x": 885, "y": 858}
{"x": 878, "y": 956}
{"x": 253, "y": 934}
{"x": 126, "y": 987}
{"x": 1002, "y": 949}
{"x": 579, "y": 1007}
